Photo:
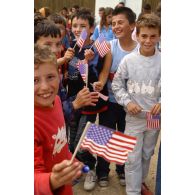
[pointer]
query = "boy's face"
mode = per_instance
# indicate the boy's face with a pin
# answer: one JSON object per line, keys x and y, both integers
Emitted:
{"x": 148, "y": 38}
{"x": 54, "y": 43}
{"x": 78, "y": 25}
{"x": 46, "y": 84}
{"x": 121, "y": 26}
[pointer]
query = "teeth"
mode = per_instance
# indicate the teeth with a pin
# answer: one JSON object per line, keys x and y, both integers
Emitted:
{"x": 46, "y": 95}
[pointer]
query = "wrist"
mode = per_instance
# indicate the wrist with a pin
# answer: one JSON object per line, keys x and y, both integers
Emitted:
{"x": 75, "y": 105}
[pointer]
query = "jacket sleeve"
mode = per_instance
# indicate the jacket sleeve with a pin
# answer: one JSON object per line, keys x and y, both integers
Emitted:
{"x": 119, "y": 87}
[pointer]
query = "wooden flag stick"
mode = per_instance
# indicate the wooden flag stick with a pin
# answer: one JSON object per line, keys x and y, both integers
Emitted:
{"x": 75, "y": 45}
{"x": 80, "y": 141}
{"x": 87, "y": 72}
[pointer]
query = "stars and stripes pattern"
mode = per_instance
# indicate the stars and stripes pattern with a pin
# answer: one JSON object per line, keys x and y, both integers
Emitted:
{"x": 112, "y": 145}
{"x": 101, "y": 46}
{"x": 153, "y": 121}
{"x": 82, "y": 38}
{"x": 83, "y": 69}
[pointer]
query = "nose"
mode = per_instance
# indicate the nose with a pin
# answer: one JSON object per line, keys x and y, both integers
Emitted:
{"x": 44, "y": 85}
{"x": 148, "y": 39}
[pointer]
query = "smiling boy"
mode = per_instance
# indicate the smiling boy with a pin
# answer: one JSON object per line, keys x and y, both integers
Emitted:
{"x": 136, "y": 86}
{"x": 52, "y": 172}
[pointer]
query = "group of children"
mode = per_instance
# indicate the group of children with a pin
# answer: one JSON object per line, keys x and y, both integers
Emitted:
{"x": 63, "y": 103}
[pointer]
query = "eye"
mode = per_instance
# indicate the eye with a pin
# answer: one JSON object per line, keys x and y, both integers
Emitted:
{"x": 143, "y": 36}
{"x": 113, "y": 24}
{"x": 50, "y": 77}
{"x": 36, "y": 80}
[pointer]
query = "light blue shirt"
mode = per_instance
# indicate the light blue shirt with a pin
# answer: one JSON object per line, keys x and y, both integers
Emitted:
{"x": 108, "y": 34}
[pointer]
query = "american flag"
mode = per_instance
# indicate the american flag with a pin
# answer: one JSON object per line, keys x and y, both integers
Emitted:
{"x": 83, "y": 69}
{"x": 153, "y": 121}
{"x": 112, "y": 145}
{"x": 102, "y": 46}
{"x": 82, "y": 38}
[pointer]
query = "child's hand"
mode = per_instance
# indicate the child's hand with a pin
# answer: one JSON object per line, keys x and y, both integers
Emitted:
{"x": 156, "y": 109}
{"x": 63, "y": 173}
{"x": 89, "y": 54}
{"x": 69, "y": 54}
{"x": 98, "y": 86}
{"x": 85, "y": 98}
{"x": 133, "y": 108}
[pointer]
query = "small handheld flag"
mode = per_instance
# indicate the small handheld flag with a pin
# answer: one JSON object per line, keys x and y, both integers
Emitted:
{"x": 101, "y": 46}
{"x": 112, "y": 145}
{"x": 153, "y": 121}
{"x": 80, "y": 42}
{"x": 83, "y": 69}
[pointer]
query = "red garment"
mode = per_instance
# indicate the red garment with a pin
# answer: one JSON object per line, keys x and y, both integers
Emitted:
{"x": 50, "y": 147}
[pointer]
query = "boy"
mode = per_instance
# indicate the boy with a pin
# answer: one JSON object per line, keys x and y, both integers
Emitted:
{"x": 84, "y": 20}
{"x": 52, "y": 172}
{"x": 123, "y": 23}
{"x": 136, "y": 86}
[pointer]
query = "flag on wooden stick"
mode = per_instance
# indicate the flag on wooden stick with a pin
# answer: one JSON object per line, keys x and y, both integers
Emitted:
{"x": 101, "y": 46}
{"x": 83, "y": 69}
{"x": 153, "y": 121}
{"x": 112, "y": 145}
{"x": 82, "y": 38}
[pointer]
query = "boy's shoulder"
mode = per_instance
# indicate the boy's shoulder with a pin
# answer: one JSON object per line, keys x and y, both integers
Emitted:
{"x": 132, "y": 55}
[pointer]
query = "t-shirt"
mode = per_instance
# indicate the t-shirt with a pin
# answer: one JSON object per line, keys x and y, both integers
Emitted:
{"x": 50, "y": 147}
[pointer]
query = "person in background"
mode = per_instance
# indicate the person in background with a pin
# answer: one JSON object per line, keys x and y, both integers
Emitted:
{"x": 146, "y": 9}
{"x": 120, "y": 4}
{"x": 104, "y": 27}
{"x": 100, "y": 13}
{"x": 75, "y": 9}
{"x": 45, "y": 11}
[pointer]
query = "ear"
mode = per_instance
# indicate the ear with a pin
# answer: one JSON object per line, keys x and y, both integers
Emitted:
{"x": 132, "y": 27}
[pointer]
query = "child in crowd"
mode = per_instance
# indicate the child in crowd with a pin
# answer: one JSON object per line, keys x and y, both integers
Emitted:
{"x": 136, "y": 86}
{"x": 104, "y": 27}
{"x": 53, "y": 174}
{"x": 123, "y": 23}
{"x": 100, "y": 14}
{"x": 61, "y": 24}
{"x": 84, "y": 20}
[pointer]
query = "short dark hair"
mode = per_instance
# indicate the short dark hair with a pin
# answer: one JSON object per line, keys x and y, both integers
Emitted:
{"x": 45, "y": 28}
{"x": 128, "y": 12}
{"x": 84, "y": 14}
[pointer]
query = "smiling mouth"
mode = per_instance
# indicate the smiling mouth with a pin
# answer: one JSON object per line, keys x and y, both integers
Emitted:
{"x": 46, "y": 95}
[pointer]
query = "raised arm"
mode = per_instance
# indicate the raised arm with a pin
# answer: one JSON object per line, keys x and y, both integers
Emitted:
{"x": 103, "y": 76}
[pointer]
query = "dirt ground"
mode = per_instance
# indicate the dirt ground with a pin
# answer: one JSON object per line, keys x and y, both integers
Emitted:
{"x": 114, "y": 187}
